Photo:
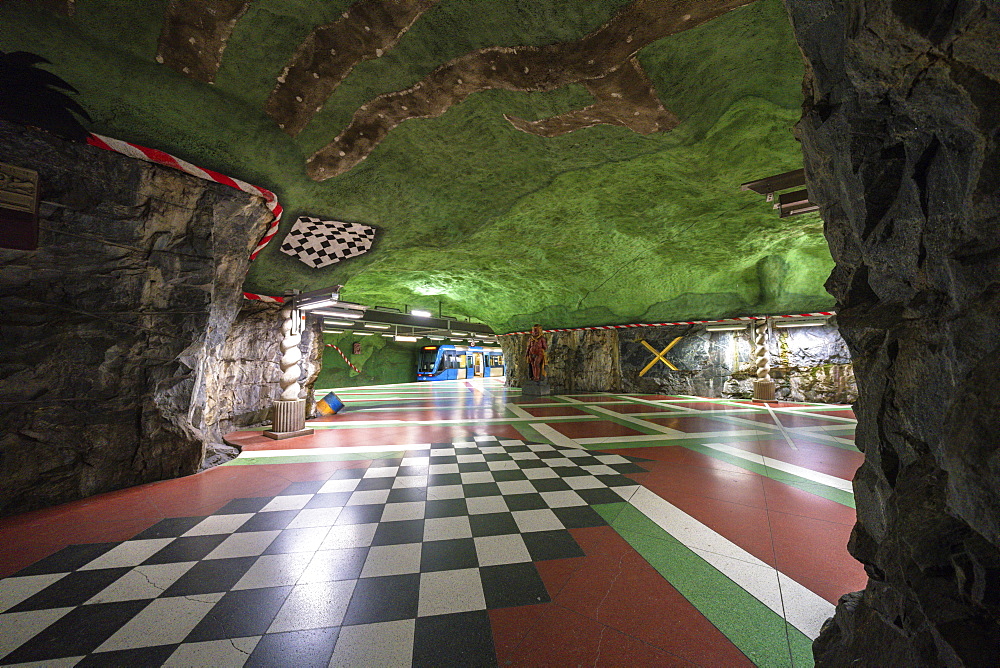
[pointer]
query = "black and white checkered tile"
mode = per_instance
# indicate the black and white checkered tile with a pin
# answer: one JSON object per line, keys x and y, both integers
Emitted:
{"x": 385, "y": 565}
{"x": 320, "y": 243}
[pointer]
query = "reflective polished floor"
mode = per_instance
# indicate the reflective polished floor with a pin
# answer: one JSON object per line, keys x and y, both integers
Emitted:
{"x": 459, "y": 524}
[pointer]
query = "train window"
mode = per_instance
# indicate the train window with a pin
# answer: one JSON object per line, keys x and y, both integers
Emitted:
{"x": 461, "y": 361}
{"x": 449, "y": 361}
{"x": 425, "y": 363}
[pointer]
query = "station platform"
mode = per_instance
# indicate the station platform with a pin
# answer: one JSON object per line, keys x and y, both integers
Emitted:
{"x": 458, "y": 523}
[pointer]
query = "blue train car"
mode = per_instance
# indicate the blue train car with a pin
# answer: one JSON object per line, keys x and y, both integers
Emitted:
{"x": 450, "y": 362}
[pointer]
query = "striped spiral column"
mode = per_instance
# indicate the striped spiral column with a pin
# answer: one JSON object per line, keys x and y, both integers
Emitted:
{"x": 763, "y": 387}
{"x": 289, "y": 412}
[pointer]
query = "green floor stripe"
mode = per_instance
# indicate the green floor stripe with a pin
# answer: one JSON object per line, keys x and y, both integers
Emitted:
{"x": 528, "y": 433}
{"x": 754, "y": 628}
{"x": 811, "y": 486}
{"x": 298, "y": 459}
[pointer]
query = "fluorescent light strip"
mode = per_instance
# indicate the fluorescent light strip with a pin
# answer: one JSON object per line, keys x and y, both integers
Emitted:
{"x": 421, "y": 313}
{"x": 725, "y": 328}
{"x": 787, "y": 324}
{"x": 340, "y": 313}
{"x": 370, "y": 325}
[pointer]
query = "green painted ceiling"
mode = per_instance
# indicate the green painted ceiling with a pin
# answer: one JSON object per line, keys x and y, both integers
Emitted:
{"x": 601, "y": 225}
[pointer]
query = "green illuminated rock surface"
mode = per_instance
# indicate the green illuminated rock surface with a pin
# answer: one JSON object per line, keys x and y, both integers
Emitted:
{"x": 601, "y": 225}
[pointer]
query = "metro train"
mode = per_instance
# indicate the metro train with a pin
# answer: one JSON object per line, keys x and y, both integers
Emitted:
{"x": 450, "y": 362}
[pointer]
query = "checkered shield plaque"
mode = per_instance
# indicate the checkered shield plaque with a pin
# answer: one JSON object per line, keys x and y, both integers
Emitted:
{"x": 320, "y": 243}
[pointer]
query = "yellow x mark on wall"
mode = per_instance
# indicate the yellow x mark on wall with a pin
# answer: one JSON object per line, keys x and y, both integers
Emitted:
{"x": 659, "y": 356}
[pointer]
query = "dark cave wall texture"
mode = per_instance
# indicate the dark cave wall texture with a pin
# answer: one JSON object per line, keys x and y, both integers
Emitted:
{"x": 901, "y": 136}
{"x": 128, "y": 349}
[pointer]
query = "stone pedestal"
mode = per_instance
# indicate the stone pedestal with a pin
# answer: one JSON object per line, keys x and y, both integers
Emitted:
{"x": 763, "y": 390}
{"x": 289, "y": 419}
{"x": 535, "y": 388}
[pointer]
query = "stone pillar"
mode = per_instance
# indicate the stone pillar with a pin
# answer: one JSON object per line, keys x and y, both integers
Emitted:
{"x": 289, "y": 412}
{"x": 901, "y": 138}
{"x": 763, "y": 387}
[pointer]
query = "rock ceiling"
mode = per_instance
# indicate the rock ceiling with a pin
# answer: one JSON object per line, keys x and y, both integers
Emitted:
{"x": 573, "y": 162}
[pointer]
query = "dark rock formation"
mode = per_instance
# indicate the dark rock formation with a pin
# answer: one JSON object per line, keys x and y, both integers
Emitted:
{"x": 243, "y": 380}
{"x": 585, "y": 361}
{"x": 901, "y": 135}
{"x": 807, "y": 364}
{"x": 118, "y": 346}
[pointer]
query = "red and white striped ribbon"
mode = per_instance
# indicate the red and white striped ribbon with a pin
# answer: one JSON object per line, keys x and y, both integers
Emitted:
{"x": 330, "y": 345}
{"x": 672, "y": 324}
{"x": 167, "y": 160}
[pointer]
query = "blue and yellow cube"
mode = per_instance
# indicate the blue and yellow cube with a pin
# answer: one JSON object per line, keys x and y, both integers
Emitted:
{"x": 329, "y": 405}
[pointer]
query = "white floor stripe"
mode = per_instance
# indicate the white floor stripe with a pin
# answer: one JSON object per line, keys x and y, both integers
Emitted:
{"x": 554, "y": 436}
{"x": 802, "y": 472}
{"x": 781, "y": 427}
{"x": 659, "y": 403}
{"x": 642, "y": 423}
{"x": 518, "y": 411}
{"x": 672, "y": 437}
{"x": 803, "y": 608}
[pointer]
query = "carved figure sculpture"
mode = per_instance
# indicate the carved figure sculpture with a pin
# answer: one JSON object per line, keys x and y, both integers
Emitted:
{"x": 536, "y": 353}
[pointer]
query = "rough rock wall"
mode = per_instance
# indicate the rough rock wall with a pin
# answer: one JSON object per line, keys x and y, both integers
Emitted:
{"x": 111, "y": 329}
{"x": 807, "y": 364}
{"x": 901, "y": 136}
{"x": 585, "y": 361}
{"x": 242, "y": 382}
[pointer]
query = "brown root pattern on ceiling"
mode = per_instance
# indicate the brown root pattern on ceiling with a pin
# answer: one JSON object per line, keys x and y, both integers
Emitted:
{"x": 525, "y": 68}
{"x": 365, "y": 31}
{"x": 194, "y": 35}
{"x": 625, "y": 97}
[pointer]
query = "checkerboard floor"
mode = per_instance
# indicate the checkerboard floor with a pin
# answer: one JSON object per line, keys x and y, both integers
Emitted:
{"x": 397, "y": 563}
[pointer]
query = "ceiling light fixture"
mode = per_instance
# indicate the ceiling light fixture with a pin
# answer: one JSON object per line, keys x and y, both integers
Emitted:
{"x": 788, "y": 324}
{"x": 332, "y": 300}
{"x": 370, "y": 325}
{"x": 411, "y": 339}
{"x": 724, "y": 328}
{"x": 340, "y": 313}
{"x": 421, "y": 313}
{"x": 333, "y": 331}
{"x": 338, "y": 323}
{"x": 364, "y": 333}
